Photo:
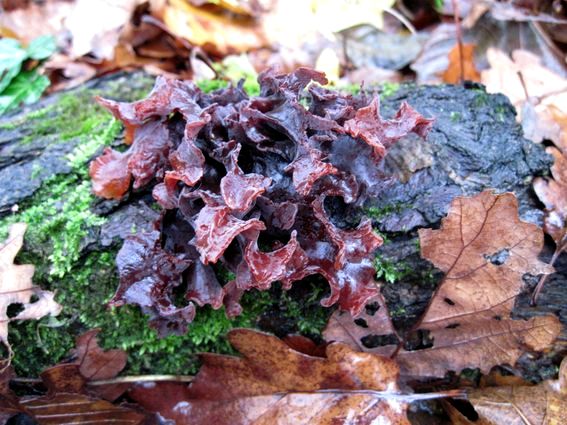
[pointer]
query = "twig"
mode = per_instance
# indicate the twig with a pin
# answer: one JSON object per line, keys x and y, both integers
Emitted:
{"x": 142, "y": 378}
{"x": 558, "y": 251}
{"x": 119, "y": 380}
{"x": 400, "y": 17}
{"x": 388, "y": 395}
{"x": 456, "y": 14}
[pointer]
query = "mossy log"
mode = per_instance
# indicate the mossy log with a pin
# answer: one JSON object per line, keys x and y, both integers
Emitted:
{"x": 73, "y": 237}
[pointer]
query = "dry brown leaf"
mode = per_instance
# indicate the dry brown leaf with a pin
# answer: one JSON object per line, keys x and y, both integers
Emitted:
{"x": 36, "y": 19}
{"x": 484, "y": 249}
{"x": 272, "y": 383}
{"x": 463, "y": 69}
{"x": 541, "y": 404}
{"x": 16, "y": 286}
{"x": 216, "y": 32}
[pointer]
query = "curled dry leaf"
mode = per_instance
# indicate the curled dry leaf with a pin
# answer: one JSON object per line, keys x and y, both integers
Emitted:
{"x": 16, "y": 286}
{"x": 484, "y": 249}
{"x": 273, "y": 383}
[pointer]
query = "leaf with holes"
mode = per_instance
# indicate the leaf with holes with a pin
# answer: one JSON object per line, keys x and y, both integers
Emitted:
{"x": 484, "y": 249}
{"x": 16, "y": 287}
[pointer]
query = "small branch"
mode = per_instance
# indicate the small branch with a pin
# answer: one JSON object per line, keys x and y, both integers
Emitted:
{"x": 400, "y": 17}
{"x": 456, "y": 13}
{"x": 119, "y": 380}
{"x": 142, "y": 378}
{"x": 543, "y": 279}
{"x": 387, "y": 395}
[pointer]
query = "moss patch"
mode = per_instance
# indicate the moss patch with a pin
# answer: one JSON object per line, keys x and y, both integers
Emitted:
{"x": 390, "y": 271}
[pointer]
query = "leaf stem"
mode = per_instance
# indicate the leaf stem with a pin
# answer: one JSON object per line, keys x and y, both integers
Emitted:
{"x": 456, "y": 13}
{"x": 543, "y": 279}
{"x": 119, "y": 380}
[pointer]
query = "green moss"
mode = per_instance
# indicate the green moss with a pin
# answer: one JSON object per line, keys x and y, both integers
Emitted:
{"x": 389, "y": 89}
{"x": 379, "y": 213}
{"x": 251, "y": 86}
{"x": 398, "y": 312}
{"x": 211, "y": 85}
{"x": 59, "y": 217}
{"x": 481, "y": 98}
{"x": 390, "y": 271}
{"x": 455, "y": 116}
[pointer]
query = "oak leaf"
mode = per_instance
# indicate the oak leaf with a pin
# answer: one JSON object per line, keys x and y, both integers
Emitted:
{"x": 16, "y": 286}
{"x": 273, "y": 383}
{"x": 484, "y": 249}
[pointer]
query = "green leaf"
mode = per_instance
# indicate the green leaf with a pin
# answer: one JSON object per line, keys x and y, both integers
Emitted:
{"x": 12, "y": 55}
{"x": 26, "y": 88}
{"x": 42, "y": 47}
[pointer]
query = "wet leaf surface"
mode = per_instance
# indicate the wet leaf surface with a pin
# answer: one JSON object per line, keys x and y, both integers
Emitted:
{"x": 273, "y": 383}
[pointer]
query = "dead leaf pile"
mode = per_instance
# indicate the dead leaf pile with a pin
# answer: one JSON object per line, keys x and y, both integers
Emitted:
{"x": 17, "y": 289}
{"x": 484, "y": 249}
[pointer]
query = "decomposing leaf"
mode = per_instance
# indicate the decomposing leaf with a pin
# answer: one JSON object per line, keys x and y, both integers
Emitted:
{"x": 461, "y": 68}
{"x": 545, "y": 403}
{"x": 95, "y": 26}
{"x": 371, "y": 331}
{"x": 94, "y": 363}
{"x": 272, "y": 383}
{"x": 484, "y": 249}
{"x": 215, "y": 31}
{"x": 16, "y": 286}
